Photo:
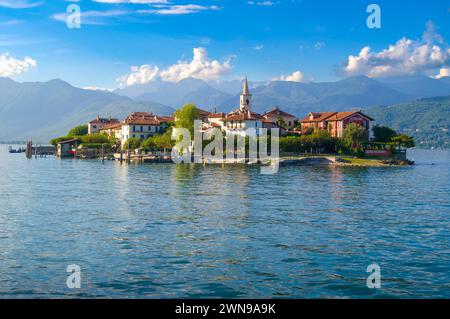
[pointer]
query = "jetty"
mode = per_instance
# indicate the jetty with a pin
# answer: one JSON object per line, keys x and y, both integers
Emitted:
{"x": 38, "y": 150}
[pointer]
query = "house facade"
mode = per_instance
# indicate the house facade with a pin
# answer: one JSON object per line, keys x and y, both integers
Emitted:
{"x": 336, "y": 122}
{"x": 98, "y": 123}
{"x": 142, "y": 125}
{"x": 281, "y": 118}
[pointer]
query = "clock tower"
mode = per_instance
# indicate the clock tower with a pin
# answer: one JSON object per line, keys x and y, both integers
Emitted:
{"x": 246, "y": 98}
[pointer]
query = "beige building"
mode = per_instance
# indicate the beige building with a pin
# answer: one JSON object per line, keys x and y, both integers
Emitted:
{"x": 97, "y": 124}
{"x": 281, "y": 118}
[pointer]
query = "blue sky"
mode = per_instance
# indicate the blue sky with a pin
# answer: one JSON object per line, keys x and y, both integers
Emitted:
{"x": 263, "y": 39}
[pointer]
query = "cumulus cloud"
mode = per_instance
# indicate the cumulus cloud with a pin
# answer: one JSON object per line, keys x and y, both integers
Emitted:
{"x": 405, "y": 57}
{"x": 443, "y": 72}
{"x": 296, "y": 76}
{"x": 139, "y": 75}
{"x": 200, "y": 67}
{"x": 10, "y": 66}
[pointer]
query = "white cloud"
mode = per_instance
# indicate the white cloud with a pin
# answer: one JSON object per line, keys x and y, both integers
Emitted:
{"x": 96, "y": 88}
{"x": 200, "y": 67}
{"x": 319, "y": 45}
{"x": 259, "y": 47}
{"x": 20, "y": 4}
{"x": 10, "y": 66}
{"x": 178, "y": 9}
{"x": 261, "y": 3}
{"x": 405, "y": 57}
{"x": 139, "y": 75}
{"x": 443, "y": 72}
{"x": 296, "y": 76}
{"x": 132, "y": 1}
{"x": 92, "y": 17}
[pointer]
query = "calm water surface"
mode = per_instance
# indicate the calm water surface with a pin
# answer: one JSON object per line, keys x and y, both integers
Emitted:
{"x": 168, "y": 231}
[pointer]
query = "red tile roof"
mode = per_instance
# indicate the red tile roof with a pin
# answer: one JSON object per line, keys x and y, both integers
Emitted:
{"x": 100, "y": 120}
{"x": 243, "y": 116}
{"x": 277, "y": 112}
{"x": 317, "y": 117}
{"x": 216, "y": 115}
{"x": 331, "y": 116}
{"x": 144, "y": 118}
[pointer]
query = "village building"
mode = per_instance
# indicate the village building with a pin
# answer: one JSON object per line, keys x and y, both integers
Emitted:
{"x": 97, "y": 124}
{"x": 112, "y": 129}
{"x": 336, "y": 122}
{"x": 239, "y": 120}
{"x": 281, "y": 118}
{"x": 142, "y": 125}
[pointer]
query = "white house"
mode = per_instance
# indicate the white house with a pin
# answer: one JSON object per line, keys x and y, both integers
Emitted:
{"x": 142, "y": 125}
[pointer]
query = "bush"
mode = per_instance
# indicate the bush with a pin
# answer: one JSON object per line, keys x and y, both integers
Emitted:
{"x": 79, "y": 130}
{"x": 95, "y": 139}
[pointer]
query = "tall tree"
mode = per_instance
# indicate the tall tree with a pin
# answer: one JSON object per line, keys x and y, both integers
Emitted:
{"x": 383, "y": 133}
{"x": 354, "y": 135}
{"x": 404, "y": 140}
{"x": 185, "y": 117}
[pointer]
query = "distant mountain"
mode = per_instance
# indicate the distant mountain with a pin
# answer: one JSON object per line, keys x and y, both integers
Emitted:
{"x": 301, "y": 98}
{"x": 428, "y": 120}
{"x": 177, "y": 94}
{"x": 43, "y": 110}
{"x": 418, "y": 86}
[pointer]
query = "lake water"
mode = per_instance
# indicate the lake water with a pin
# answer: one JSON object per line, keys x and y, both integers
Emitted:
{"x": 176, "y": 231}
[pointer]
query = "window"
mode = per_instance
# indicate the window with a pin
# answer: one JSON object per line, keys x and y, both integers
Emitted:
{"x": 142, "y": 128}
{"x": 142, "y": 136}
{"x": 134, "y": 128}
{"x": 94, "y": 126}
{"x": 134, "y": 135}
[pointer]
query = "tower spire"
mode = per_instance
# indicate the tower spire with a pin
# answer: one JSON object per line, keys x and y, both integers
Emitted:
{"x": 245, "y": 91}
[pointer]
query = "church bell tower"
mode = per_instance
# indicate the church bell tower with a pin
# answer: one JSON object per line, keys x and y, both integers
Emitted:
{"x": 246, "y": 98}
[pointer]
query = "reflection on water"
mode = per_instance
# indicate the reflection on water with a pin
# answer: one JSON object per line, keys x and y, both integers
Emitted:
{"x": 166, "y": 231}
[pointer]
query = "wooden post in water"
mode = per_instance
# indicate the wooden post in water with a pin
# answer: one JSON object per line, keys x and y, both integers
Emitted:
{"x": 103, "y": 153}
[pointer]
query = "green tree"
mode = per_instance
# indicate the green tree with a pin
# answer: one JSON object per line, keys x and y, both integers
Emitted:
{"x": 281, "y": 122}
{"x": 403, "y": 140}
{"x": 55, "y": 141}
{"x": 354, "y": 135}
{"x": 79, "y": 130}
{"x": 185, "y": 117}
{"x": 132, "y": 143}
{"x": 97, "y": 138}
{"x": 383, "y": 133}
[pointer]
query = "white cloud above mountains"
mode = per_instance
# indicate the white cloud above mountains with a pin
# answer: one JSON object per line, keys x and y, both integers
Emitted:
{"x": 10, "y": 66}
{"x": 200, "y": 67}
{"x": 296, "y": 76}
{"x": 405, "y": 57}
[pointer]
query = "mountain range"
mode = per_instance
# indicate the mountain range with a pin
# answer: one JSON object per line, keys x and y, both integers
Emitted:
{"x": 293, "y": 97}
{"x": 43, "y": 110}
{"x": 427, "y": 120}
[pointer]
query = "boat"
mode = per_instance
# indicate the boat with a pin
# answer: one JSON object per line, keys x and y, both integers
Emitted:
{"x": 13, "y": 151}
